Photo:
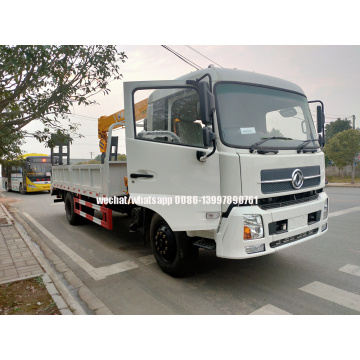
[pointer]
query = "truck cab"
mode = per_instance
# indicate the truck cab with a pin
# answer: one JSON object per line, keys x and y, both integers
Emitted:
{"x": 262, "y": 187}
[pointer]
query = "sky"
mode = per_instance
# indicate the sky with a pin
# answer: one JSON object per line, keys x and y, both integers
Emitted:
{"x": 327, "y": 72}
{"x": 276, "y": 38}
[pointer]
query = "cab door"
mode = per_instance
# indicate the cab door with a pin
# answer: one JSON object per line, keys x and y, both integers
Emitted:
{"x": 161, "y": 145}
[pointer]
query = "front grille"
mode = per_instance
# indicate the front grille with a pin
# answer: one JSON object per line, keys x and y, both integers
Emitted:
{"x": 279, "y": 180}
{"x": 270, "y": 188}
{"x": 285, "y": 173}
{"x": 279, "y": 201}
{"x": 291, "y": 239}
{"x": 287, "y": 200}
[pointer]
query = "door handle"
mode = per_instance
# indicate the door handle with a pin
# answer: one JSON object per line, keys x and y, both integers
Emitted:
{"x": 134, "y": 176}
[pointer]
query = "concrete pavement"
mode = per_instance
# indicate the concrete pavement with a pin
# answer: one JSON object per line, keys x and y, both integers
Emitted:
{"x": 19, "y": 262}
{"x": 146, "y": 290}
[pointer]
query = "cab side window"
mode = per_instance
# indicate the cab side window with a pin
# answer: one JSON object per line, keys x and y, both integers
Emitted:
{"x": 171, "y": 116}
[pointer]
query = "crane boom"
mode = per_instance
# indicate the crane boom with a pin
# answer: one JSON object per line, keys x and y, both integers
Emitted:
{"x": 104, "y": 122}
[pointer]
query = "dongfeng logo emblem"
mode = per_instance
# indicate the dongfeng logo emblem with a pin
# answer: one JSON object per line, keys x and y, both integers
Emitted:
{"x": 297, "y": 179}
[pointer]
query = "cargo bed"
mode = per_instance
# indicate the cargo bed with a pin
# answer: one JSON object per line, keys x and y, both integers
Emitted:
{"x": 92, "y": 180}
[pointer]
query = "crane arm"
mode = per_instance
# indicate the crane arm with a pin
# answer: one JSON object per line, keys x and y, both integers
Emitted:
{"x": 104, "y": 122}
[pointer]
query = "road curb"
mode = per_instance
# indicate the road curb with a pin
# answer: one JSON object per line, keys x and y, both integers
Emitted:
{"x": 95, "y": 305}
{"x": 47, "y": 281}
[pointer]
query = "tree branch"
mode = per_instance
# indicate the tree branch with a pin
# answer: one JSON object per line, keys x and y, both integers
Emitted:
{"x": 18, "y": 91}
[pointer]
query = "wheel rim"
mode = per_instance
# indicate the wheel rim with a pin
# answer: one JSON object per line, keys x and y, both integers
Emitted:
{"x": 165, "y": 243}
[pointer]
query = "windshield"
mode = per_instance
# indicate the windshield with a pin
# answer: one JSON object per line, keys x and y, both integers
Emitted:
{"x": 249, "y": 114}
{"x": 38, "y": 171}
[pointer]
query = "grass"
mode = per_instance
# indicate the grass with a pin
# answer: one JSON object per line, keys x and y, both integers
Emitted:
{"x": 26, "y": 297}
{"x": 340, "y": 179}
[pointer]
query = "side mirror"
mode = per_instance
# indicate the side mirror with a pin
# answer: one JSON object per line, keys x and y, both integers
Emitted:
{"x": 320, "y": 119}
{"x": 207, "y": 102}
{"x": 208, "y": 136}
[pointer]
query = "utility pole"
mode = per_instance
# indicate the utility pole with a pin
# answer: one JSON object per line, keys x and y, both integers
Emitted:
{"x": 354, "y": 164}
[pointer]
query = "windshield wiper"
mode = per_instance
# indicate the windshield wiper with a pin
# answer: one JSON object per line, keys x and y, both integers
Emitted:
{"x": 304, "y": 144}
{"x": 253, "y": 146}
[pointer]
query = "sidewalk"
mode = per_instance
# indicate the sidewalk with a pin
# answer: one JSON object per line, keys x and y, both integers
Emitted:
{"x": 18, "y": 262}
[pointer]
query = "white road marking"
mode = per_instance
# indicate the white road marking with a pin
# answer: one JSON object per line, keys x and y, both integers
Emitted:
{"x": 343, "y": 212}
{"x": 115, "y": 268}
{"x": 95, "y": 273}
{"x": 333, "y": 294}
{"x": 147, "y": 260}
{"x": 270, "y": 310}
{"x": 351, "y": 269}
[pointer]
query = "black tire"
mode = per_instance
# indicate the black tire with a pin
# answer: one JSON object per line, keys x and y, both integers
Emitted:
{"x": 174, "y": 251}
{"x": 71, "y": 216}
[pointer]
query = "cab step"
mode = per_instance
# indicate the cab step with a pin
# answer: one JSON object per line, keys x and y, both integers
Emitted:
{"x": 205, "y": 244}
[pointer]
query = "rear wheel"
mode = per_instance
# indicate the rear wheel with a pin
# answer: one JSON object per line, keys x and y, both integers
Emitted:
{"x": 174, "y": 251}
{"x": 72, "y": 217}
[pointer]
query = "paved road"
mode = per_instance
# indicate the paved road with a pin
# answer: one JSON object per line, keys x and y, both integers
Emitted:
{"x": 317, "y": 277}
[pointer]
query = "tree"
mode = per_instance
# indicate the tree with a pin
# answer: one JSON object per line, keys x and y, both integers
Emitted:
{"x": 343, "y": 147}
{"x": 335, "y": 127}
{"x": 97, "y": 157}
{"x": 10, "y": 144}
{"x": 43, "y": 82}
{"x": 120, "y": 157}
{"x": 275, "y": 132}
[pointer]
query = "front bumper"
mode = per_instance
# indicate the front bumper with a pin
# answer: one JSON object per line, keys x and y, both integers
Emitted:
{"x": 229, "y": 239}
{"x": 38, "y": 187}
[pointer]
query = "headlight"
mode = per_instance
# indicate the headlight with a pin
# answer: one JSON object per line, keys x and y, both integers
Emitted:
{"x": 253, "y": 227}
{"x": 31, "y": 186}
{"x": 326, "y": 209}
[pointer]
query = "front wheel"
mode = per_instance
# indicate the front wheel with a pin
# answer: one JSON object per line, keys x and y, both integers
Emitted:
{"x": 71, "y": 216}
{"x": 174, "y": 251}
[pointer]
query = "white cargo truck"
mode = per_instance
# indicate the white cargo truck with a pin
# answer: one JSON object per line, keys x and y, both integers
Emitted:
{"x": 219, "y": 159}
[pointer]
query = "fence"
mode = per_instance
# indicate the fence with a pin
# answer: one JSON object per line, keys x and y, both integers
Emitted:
{"x": 347, "y": 170}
